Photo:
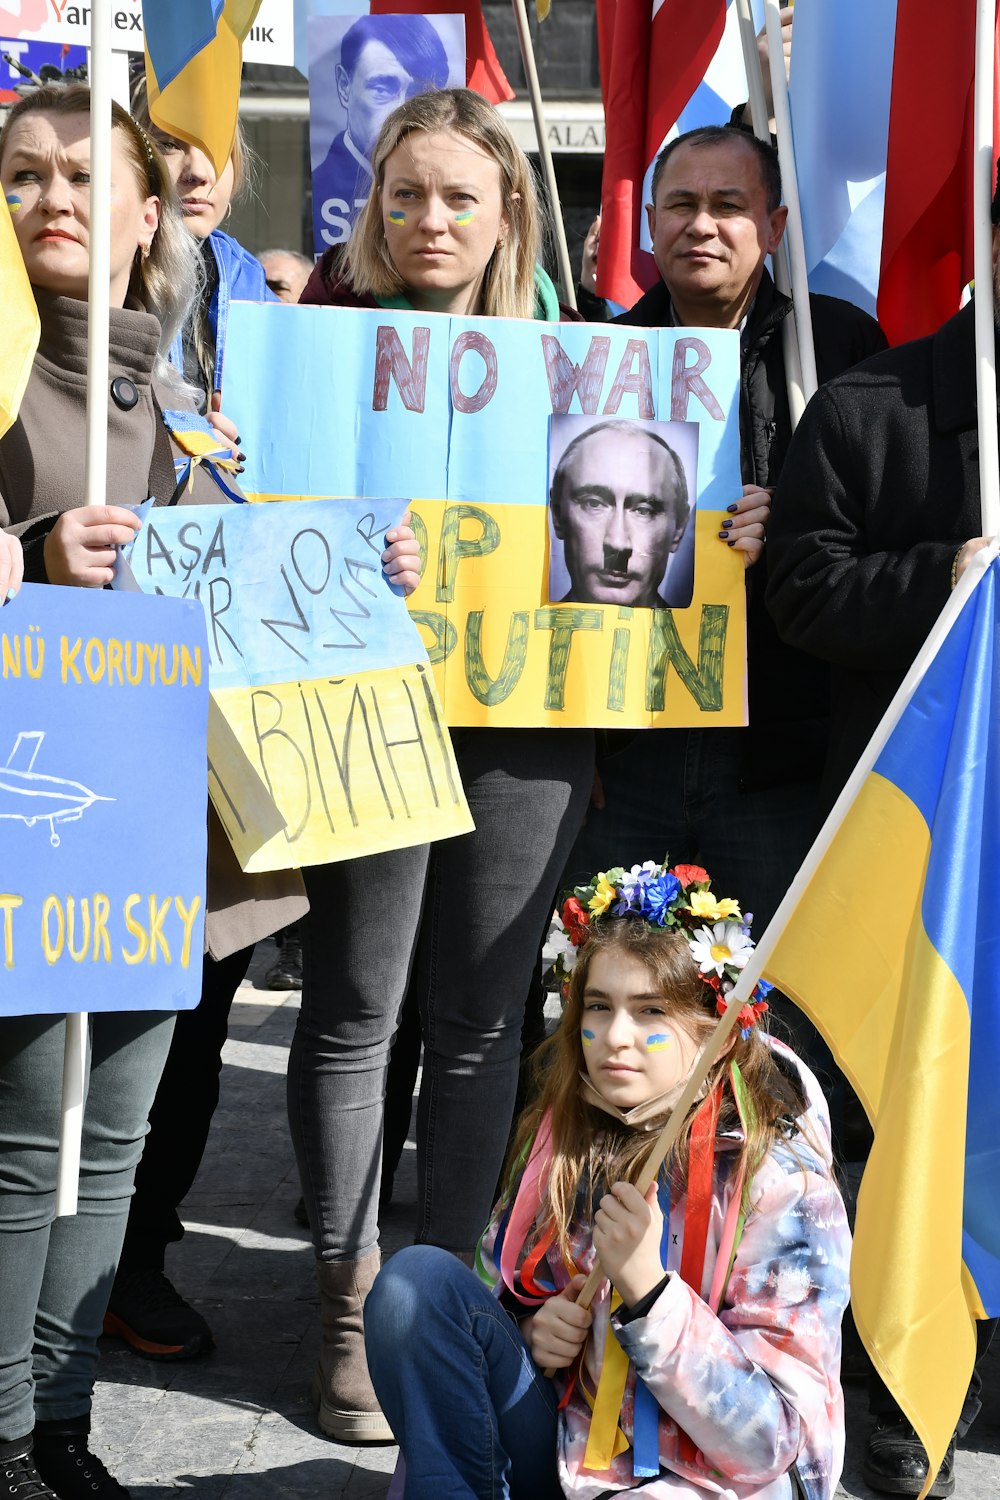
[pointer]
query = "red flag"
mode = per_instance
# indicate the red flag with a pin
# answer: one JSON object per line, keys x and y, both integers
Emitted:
{"x": 653, "y": 55}
{"x": 482, "y": 66}
{"x": 927, "y": 228}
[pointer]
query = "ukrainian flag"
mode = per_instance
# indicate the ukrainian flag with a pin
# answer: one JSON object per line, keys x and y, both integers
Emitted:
{"x": 194, "y": 57}
{"x": 21, "y": 327}
{"x": 893, "y": 950}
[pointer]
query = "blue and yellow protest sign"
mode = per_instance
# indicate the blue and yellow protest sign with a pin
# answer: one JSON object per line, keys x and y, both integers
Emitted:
{"x": 329, "y": 716}
{"x": 567, "y": 484}
{"x": 103, "y": 702}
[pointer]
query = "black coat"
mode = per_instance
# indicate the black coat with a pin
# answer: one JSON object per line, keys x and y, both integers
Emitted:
{"x": 879, "y": 490}
{"x": 788, "y": 696}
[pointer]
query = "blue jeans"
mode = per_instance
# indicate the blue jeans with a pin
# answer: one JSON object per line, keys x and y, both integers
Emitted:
{"x": 473, "y": 1415}
{"x": 467, "y": 915}
{"x": 56, "y": 1274}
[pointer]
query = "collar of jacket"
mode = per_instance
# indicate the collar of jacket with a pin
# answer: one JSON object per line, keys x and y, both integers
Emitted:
{"x": 954, "y": 364}
{"x": 134, "y": 337}
{"x": 654, "y": 309}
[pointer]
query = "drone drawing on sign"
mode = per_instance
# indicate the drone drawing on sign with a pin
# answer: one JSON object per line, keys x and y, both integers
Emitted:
{"x": 33, "y": 798}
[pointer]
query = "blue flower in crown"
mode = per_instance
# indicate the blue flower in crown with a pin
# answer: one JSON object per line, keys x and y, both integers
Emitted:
{"x": 631, "y": 885}
{"x": 657, "y": 895}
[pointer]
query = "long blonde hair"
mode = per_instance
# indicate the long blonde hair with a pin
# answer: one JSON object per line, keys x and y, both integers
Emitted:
{"x": 509, "y": 281}
{"x": 589, "y": 1148}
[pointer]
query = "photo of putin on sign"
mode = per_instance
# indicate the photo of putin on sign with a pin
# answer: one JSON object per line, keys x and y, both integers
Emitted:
{"x": 620, "y": 512}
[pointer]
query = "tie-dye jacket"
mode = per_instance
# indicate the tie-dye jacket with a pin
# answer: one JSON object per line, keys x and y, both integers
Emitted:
{"x": 757, "y": 1388}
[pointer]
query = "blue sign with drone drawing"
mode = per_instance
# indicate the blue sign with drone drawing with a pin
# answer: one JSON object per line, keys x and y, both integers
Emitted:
{"x": 103, "y": 794}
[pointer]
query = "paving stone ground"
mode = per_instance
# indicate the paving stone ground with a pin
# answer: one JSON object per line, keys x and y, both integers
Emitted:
{"x": 238, "y": 1424}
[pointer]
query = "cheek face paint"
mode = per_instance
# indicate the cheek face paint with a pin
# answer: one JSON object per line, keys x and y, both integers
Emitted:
{"x": 658, "y": 1041}
{"x": 464, "y": 218}
{"x": 587, "y": 1037}
{"x": 13, "y": 203}
{"x": 397, "y": 216}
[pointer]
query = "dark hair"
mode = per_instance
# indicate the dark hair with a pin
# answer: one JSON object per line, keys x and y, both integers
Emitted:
{"x": 622, "y": 424}
{"x": 411, "y": 39}
{"x": 724, "y": 135}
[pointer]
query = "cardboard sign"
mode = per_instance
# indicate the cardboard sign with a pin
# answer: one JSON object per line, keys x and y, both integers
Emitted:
{"x": 332, "y": 741}
{"x": 464, "y": 414}
{"x": 103, "y": 702}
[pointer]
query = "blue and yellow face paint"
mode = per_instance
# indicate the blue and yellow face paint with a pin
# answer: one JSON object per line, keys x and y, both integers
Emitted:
{"x": 396, "y": 216}
{"x": 658, "y": 1041}
{"x": 14, "y": 203}
{"x": 464, "y": 218}
{"x": 586, "y": 1037}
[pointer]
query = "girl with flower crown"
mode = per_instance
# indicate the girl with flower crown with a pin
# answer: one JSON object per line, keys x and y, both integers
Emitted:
{"x": 708, "y": 1362}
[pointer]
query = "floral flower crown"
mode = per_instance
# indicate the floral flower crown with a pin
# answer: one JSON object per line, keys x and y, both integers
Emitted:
{"x": 678, "y": 899}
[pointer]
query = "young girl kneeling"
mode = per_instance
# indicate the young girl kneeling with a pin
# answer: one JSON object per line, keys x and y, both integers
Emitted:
{"x": 710, "y": 1364}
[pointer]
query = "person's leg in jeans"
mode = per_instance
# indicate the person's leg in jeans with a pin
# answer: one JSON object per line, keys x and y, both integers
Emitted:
{"x": 488, "y": 901}
{"x": 56, "y": 1275}
{"x": 358, "y": 941}
{"x": 144, "y": 1308}
{"x": 474, "y": 1417}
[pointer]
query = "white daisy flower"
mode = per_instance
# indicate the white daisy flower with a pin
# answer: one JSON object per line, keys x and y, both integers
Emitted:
{"x": 712, "y": 948}
{"x": 558, "y": 946}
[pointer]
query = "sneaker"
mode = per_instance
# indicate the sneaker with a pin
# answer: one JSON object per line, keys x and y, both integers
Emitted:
{"x": 895, "y": 1461}
{"x": 153, "y": 1318}
{"x": 19, "y": 1476}
{"x": 66, "y": 1464}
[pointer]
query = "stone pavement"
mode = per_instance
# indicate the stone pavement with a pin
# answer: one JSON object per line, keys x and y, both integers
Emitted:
{"x": 238, "y": 1424}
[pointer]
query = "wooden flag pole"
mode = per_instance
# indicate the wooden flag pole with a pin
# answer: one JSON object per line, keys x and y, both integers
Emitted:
{"x": 790, "y": 187}
{"x": 566, "y": 276}
{"x": 95, "y": 472}
{"x": 982, "y": 183}
{"x": 762, "y": 130}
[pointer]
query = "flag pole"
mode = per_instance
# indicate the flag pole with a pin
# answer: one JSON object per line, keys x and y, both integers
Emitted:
{"x": 761, "y": 129}
{"x": 95, "y": 489}
{"x": 793, "y": 233}
{"x": 982, "y": 183}
{"x": 545, "y": 155}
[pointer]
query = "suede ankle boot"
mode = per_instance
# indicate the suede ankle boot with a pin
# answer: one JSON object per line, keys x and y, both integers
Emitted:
{"x": 342, "y": 1389}
{"x": 66, "y": 1464}
{"x": 18, "y": 1475}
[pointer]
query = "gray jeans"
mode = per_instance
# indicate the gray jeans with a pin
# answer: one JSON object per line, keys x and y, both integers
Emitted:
{"x": 468, "y": 914}
{"x": 56, "y": 1274}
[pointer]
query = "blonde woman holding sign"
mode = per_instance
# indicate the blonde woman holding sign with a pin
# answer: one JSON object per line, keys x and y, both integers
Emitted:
{"x": 452, "y": 227}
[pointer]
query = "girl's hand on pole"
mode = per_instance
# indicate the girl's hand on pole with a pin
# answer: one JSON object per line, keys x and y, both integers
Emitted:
{"x": 557, "y": 1332}
{"x": 401, "y": 558}
{"x": 11, "y": 566}
{"x": 81, "y": 548}
{"x": 627, "y": 1232}
{"x": 745, "y": 522}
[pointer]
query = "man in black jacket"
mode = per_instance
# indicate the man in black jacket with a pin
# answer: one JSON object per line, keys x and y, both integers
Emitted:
{"x": 740, "y": 801}
{"x": 875, "y": 519}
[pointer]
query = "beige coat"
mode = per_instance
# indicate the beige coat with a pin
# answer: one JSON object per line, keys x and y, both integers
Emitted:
{"x": 42, "y": 475}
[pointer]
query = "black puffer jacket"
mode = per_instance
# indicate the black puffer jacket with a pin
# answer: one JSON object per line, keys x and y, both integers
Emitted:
{"x": 788, "y": 690}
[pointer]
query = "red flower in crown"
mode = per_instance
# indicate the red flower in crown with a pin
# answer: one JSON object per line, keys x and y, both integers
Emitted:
{"x": 691, "y": 875}
{"x": 576, "y": 921}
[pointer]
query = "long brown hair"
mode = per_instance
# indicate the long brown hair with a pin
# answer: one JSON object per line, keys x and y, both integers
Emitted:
{"x": 509, "y": 282}
{"x": 589, "y": 1148}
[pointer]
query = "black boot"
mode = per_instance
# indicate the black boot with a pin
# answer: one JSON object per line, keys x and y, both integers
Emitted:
{"x": 18, "y": 1475}
{"x": 896, "y": 1460}
{"x": 286, "y": 973}
{"x": 67, "y": 1465}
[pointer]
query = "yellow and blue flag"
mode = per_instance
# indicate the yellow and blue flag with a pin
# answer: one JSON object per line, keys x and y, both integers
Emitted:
{"x": 21, "y": 326}
{"x": 893, "y": 950}
{"x": 194, "y": 56}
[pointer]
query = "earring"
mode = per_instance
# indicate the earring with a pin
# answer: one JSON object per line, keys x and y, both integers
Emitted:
{"x": 144, "y": 251}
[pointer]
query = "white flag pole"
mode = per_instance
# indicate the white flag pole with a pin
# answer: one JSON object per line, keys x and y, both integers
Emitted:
{"x": 95, "y": 481}
{"x": 986, "y": 373}
{"x": 545, "y": 155}
{"x": 790, "y": 185}
{"x": 761, "y": 129}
